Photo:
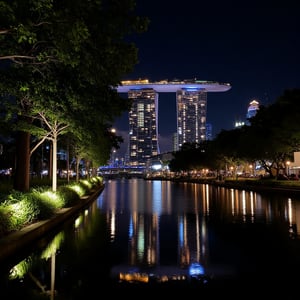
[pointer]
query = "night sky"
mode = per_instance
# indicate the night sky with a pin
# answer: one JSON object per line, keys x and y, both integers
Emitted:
{"x": 253, "y": 45}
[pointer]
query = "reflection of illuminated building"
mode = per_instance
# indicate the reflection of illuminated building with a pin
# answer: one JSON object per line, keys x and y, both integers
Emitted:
{"x": 144, "y": 240}
{"x": 144, "y": 251}
{"x": 293, "y": 216}
{"x": 152, "y": 203}
{"x": 192, "y": 240}
{"x": 144, "y": 246}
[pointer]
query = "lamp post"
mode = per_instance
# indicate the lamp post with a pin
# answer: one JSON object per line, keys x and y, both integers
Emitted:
{"x": 113, "y": 150}
{"x": 251, "y": 169}
{"x": 288, "y": 168}
{"x": 231, "y": 171}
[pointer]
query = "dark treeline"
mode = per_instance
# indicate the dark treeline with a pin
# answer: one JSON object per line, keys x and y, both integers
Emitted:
{"x": 270, "y": 139}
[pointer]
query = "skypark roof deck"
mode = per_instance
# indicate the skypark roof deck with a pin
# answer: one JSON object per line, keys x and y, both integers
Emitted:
{"x": 165, "y": 86}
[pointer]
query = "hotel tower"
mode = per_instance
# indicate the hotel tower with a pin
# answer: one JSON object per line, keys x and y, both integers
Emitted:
{"x": 143, "y": 125}
{"x": 253, "y": 107}
{"x": 191, "y": 116}
{"x": 191, "y": 99}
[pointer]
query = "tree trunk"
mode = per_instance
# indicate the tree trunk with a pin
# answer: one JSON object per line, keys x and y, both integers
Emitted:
{"x": 77, "y": 168}
{"x": 21, "y": 176}
{"x": 68, "y": 162}
{"x": 54, "y": 164}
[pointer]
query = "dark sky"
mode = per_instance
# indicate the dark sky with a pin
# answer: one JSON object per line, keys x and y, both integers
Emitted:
{"x": 253, "y": 45}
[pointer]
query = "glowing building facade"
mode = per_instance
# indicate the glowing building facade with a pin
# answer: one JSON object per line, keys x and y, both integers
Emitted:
{"x": 191, "y": 99}
{"x": 191, "y": 115}
{"x": 143, "y": 127}
{"x": 252, "y": 109}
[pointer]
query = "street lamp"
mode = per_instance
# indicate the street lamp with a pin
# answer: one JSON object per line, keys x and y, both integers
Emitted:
{"x": 231, "y": 171}
{"x": 113, "y": 150}
{"x": 288, "y": 168}
{"x": 251, "y": 170}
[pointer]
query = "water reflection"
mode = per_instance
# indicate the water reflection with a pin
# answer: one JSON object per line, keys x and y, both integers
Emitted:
{"x": 163, "y": 218}
{"x": 56, "y": 265}
{"x": 26, "y": 266}
{"x": 153, "y": 232}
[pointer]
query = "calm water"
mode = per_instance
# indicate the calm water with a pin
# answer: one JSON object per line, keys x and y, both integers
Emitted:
{"x": 153, "y": 235}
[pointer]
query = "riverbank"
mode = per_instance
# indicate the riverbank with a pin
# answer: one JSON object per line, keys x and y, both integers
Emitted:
{"x": 13, "y": 243}
{"x": 290, "y": 187}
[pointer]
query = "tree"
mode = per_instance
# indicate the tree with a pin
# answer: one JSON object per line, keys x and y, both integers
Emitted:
{"x": 192, "y": 156}
{"x": 271, "y": 138}
{"x": 275, "y": 132}
{"x": 53, "y": 39}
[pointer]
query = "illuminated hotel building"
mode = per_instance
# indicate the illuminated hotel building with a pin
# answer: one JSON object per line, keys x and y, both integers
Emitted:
{"x": 208, "y": 132}
{"x": 252, "y": 109}
{"x": 191, "y": 115}
{"x": 143, "y": 130}
{"x": 191, "y": 99}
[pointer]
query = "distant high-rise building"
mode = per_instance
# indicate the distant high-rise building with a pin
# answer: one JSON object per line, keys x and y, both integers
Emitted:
{"x": 175, "y": 141}
{"x": 209, "y": 131}
{"x": 191, "y": 97}
{"x": 252, "y": 109}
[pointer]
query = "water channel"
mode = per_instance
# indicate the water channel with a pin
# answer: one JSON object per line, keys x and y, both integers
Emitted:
{"x": 141, "y": 234}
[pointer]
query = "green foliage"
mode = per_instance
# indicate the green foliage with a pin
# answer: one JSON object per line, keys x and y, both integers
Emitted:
{"x": 80, "y": 188}
{"x": 15, "y": 197}
{"x": 192, "y": 156}
{"x": 21, "y": 268}
{"x": 25, "y": 208}
{"x": 4, "y": 220}
{"x": 49, "y": 199}
{"x": 271, "y": 139}
{"x": 68, "y": 195}
{"x": 41, "y": 209}
{"x": 65, "y": 58}
{"x": 21, "y": 209}
{"x": 23, "y": 212}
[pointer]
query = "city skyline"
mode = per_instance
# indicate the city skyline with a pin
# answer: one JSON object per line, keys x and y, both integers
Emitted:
{"x": 191, "y": 101}
{"x": 254, "y": 48}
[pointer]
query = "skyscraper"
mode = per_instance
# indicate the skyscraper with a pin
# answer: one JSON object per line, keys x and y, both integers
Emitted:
{"x": 252, "y": 109}
{"x": 143, "y": 134}
{"x": 191, "y": 115}
{"x": 209, "y": 134}
{"x": 191, "y": 98}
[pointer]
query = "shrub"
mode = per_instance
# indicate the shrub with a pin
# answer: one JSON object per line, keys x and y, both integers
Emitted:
{"x": 41, "y": 209}
{"x": 68, "y": 195}
{"x": 19, "y": 209}
{"x": 4, "y": 220}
